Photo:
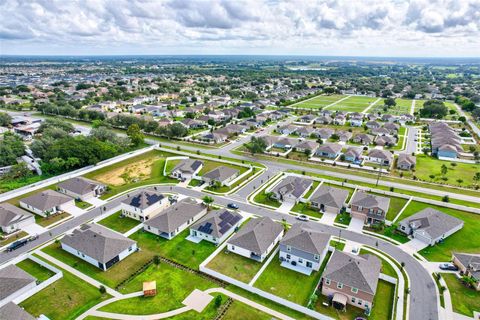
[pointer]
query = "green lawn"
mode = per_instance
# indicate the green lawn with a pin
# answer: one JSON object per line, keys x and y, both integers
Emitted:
{"x": 119, "y": 224}
{"x": 383, "y": 302}
{"x": 66, "y": 298}
{"x": 314, "y": 186}
{"x": 173, "y": 286}
{"x": 113, "y": 276}
{"x": 427, "y": 166}
{"x": 13, "y": 238}
{"x": 353, "y": 104}
{"x": 343, "y": 218}
{"x": 465, "y": 240}
{"x": 396, "y": 204}
{"x": 235, "y": 266}
{"x": 82, "y": 204}
{"x": 464, "y": 300}
{"x": 209, "y": 165}
{"x": 303, "y": 208}
{"x": 287, "y": 283}
{"x": 39, "y": 272}
{"x": 210, "y": 312}
{"x": 319, "y": 102}
{"x": 178, "y": 249}
{"x": 337, "y": 245}
{"x": 241, "y": 311}
{"x": 403, "y": 106}
{"x": 46, "y": 221}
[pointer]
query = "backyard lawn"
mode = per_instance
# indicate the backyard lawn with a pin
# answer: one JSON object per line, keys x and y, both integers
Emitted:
{"x": 34, "y": 269}
{"x": 173, "y": 286}
{"x": 178, "y": 249}
{"x": 287, "y": 283}
{"x": 235, "y": 266}
{"x": 383, "y": 301}
{"x": 66, "y": 298}
{"x": 465, "y": 240}
{"x": 113, "y": 276}
{"x": 118, "y": 223}
{"x": 464, "y": 300}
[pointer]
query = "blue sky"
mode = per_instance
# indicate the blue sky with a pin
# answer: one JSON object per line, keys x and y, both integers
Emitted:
{"x": 435, "y": 28}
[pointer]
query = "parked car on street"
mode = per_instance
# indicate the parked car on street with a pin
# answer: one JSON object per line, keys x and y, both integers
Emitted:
{"x": 302, "y": 217}
{"x": 448, "y": 266}
{"x": 232, "y": 206}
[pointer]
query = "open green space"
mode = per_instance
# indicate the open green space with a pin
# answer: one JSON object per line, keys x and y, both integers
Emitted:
{"x": 177, "y": 249}
{"x": 242, "y": 311}
{"x": 145, "y": 169}
{"x": 353, "y": 104}
{"x": 403, "y": 106}
{"x": 34, "y": 269}
{"x": 173, "y": 286}
{"x": 235, "y": 266}
{"x": 465, "y": 240}
{"x": 118, "y": 222}
{"x": 464, "y": 300}
{"x": 287, "y": 283}
{"x": 319, "y": 102}
{"x": 66, "y": 298}
{"x": 209, "y": 313}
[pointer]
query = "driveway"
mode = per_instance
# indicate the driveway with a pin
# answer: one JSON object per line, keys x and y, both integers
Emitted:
{"x": 356, "y": 225}
{"x": 285, "y": 207}
{"x": 74, "y": 210}
{"x": 413, "y": 246}
{"x": 34, "y": 229}
{"x": 97, "y": 202}
{"x": 328, "y": 218}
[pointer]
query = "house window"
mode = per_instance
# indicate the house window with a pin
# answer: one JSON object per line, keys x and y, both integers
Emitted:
{"x": 360, "y": 302}
{"x": 289, "y": 248}
{"x": 327, "y": 281}
{"x": 316, "y": 257}
{"x": 339, "y": 285}
{"x": 300, "y": 260}
{"x": 354, "y": 290}
{"x": 148, "y": 227}
{"x": 288, "y": 257}
{"x": 403, "y": 228}
{"x": 353, "y": 299}
{"x": 233, "y": 248}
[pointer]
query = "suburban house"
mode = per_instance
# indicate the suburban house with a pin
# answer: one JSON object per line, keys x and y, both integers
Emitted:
{"x": 430, "y": 226}
{"x": 12, "y": 218}
{"x": 216, "y": 226}
{"x": 11, "y": 311}
{"x": 175, "y": 218}
{"x": 380, "y": 131}
{"x": 385, "y": 141}
{"x": 324, "y": 120}
{"x": 353, "y": 154}
{"x": 329, "y": 150}
{"x": 47, "y": 202}
{"x": 13, "y": 283}
{"x": 324, "y": 133}
{"x": 344, "y": 135}
{"x": 98, "y": 245}
{"x": 256, "y": 239}
{"x": 351, "y": 279}
{"x": 303, "y": 146}
{"x": 372, "y": 124}
{"x": 469, "y": 265}
{"x": 391, "y": 127}
{"x": 291, "y": 189}
{"x": 363, "y": 138}
{"x": 355, "y": 119}
{"x": 287, "y": 129}
{"x": 284, "y": 143}
{"x": 445, "y": 142}
{"x": 303, "y": 249}
{"x": 406, "y": 161}
{"x": 215, "y": 136}
{"x": 339, "y": 119}
{"x": 389, "y": 118}
{"x": 81, "y": 188}
{"x": 186, "y": 169}
{"x": 329, "y": 199}
{"x": 143, "y": 205}
{"x": 309, "y": 118}
{"x": 305, "y": 132}
{"x": 369, "y": 207}
{"x": 221, "y": 175}
{"x": 382, "y": 157}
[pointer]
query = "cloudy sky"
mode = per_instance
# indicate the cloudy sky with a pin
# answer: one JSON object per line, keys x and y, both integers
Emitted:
{"x": 350, "y": 27}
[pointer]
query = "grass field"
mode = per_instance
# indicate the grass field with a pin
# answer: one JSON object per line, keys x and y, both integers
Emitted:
{"x": 173, "y": 286}
{"x": 464, "y": 300}
{"x": 403, "y": 107}
{"x": 134, "y": 172}
{"x": 287, "y": 283}
{"x": 241, "y": 311}
{"x": 235, "y": 266}
{"x": 117, "y": 223}
{"x": 39, "y": 272}
{"x": 465, "y": 240}
{"x": 319, "y": 102}
{"x": 65, "y": 299}
{"x": 353, "y": 104}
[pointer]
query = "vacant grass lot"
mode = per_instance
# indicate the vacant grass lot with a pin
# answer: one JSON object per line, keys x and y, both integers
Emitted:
{"x": 118, "y": 223}
{"x": 465, "y": 240}
{"x": 241, "y": 311}
{"x": 34, "y": 269}
{"x": 353, "y": 104}
{"x": 134, "y": 172}
{"x": 319, "y": 102}
{"x": 464, "y": 300}
{"x": 66, "y": 298}
{"x": 113, "y": 276}
{"x": 173, "y": 286}
{"x": 235, "y": 266}
{"x": 403, "y": 107}
{"x": 178, "y": 249}
{"x": 287, "y": 283}
{"x": 427, "y": 166}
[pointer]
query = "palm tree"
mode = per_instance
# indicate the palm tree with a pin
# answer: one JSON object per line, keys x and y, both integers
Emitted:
{"x": 207, "y": 201}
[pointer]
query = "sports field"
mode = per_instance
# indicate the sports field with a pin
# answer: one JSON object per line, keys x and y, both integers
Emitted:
{"x": 319, "y": 102}
{"x": 353, "y": 104}
{"x": 403, "y": 107}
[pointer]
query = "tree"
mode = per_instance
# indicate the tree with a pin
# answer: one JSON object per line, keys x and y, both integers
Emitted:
{"x": 444, "y": 170}
{"x": 476, "y": 177}
{"x": 156, "y": 260}
{"x": 389, "y": 102}
{"x": 256, "y": 145}
{"x": 11, "y": 147}
{"x": 218, "y": 301}
{"x": 102, "y": 289}
{"x": 5, "y": 119}
{"x": 207, "y": 200}
{"x": 135, "y": 135}
{"x": 433, "y": 109}
{"x": 57, "y": 124}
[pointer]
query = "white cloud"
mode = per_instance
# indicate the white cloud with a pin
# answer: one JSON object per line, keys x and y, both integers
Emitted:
{"x": 361, "y": 27}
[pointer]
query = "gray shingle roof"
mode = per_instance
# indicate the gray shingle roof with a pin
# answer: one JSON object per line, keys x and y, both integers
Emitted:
{"x": 79, "y": 185}
{"x": 433, "y": 222}
{"x": 11, "y": 311}
{"x": 174, "y": 216}
{"x": 188, "y": 165}
{"x": 46, "y": 200}
{"x": 97, "y": 242}
{"x": 330, "y": 196}
{"x": 471, "y": 262}
{"x": 221, "y": 173}
{"x": 367, "y": 200}
{"x": 404, "y": 158}
{"x": 380, "y": 154}
{"x": 10, "y": 214}
{"x": 300, "y": 237}
{"x": 12, "y": 279}
{"x": 359, "y": 272}
{"x": 292, "y": 185}
{"x": 144, "y": 199}
{"x": 218, "y": 222}
{"x": 257, "y": 235}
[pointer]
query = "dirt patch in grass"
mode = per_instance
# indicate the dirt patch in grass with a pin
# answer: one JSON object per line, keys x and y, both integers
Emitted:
{"x": 131, "y": 172}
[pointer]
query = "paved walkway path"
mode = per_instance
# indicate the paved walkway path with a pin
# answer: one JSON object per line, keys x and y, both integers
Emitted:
{"x": 77, "y": 273}
{"x": 334, "y": 103}
{"x": 412, "y": 107}
{"x": 371, "y": 105}
{"x": 93, "y": 309}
